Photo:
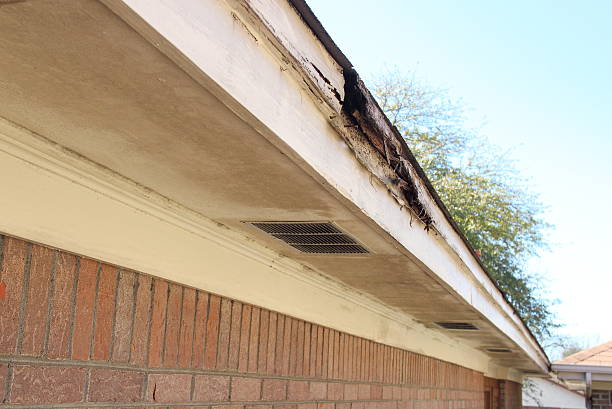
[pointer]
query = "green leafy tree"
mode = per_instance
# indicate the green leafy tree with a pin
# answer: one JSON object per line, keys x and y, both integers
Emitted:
{"x": 491, "y": 204}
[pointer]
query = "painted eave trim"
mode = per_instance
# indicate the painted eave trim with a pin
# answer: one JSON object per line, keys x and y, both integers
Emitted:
{"x": 332, "y": 48}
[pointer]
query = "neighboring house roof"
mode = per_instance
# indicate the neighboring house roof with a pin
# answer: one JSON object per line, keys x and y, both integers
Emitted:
{"x": 600, "y": 355}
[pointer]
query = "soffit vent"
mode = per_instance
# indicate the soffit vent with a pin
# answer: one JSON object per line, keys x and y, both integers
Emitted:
{"x": 457, "y": 326}
{"x": 499, "y": 350}
{"x": 312, "y": 238}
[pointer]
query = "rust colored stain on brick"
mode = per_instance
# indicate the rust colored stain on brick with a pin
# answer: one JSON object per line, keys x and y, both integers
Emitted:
{"x": 48, "y": 384}
{"x": 187, "y": 328}
{"x": 199, "y": 331}
{"x": 58, "y": 346}
{"x": 245, "y": 389}
{"x": 274, "y": 389}
{"x": 234, "y": 341}
{"x": 211, "y": 388}
{"x": 123, "y": 317}
{"x": 173, "y": 325}
{"x": 109, "y": 385}
{"x": 245, "y": 329}
{"x": 15, "y": 253}
{"x": 169, "y": 387}
{"x": 85, "y": 302}
{"x": 158, "y": 322}
{"x": 212, "y": 332}
{"x": 37, "y": 301}
{"x": 142, "y": 319}
{"x": 105, "y": 310}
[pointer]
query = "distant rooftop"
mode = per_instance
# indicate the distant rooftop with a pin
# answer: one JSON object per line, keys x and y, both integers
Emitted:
{"x": 600, "y": 355}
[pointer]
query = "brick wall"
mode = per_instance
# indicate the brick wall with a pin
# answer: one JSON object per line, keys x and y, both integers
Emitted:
{"x": 78, "y": 333}
{"x": 601, "y": 399}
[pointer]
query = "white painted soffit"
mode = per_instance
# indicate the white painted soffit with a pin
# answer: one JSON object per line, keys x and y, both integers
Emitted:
{"x": 269, "y": 49}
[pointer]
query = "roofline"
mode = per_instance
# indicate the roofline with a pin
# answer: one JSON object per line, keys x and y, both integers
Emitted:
{"x": 605, "y": 369}
{"x": 332, "y": 48}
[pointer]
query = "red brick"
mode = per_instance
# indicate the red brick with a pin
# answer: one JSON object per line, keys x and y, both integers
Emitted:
{"x": 318, "y": 390}
{"x": 325, "y": 406}
{"x": 271, "y": 347}
{"x": 307, "y": 406}
{"x": 105, "y": 309}
{"x": 169, "y": 387}
{"x": 334, "y": 354}
{"x": 319, "y": 352}
{"x": 37, "y": 301}
{"x": 262, "y": 347}
{"x": 363, "y": 392}
{"x": 346, "y": 405}
{"x": 293, "y": 356}
{"x": 234, "y": 341}
{"x": 158, "y": 322}
{"x": 280, "y": 332}
{"x": 312, "y": 364}
{"x": 47, "y": 384}
{"x": 376, "y": 392}
{"x": 225, "y": 322}
{"x": 109, "y": 385}
{"x": 84, "y": 309}
{"x": 246, "y": 389}
{"x": 325, "y": 354}
{"x": 14, "y": 254}
{"x": 173, "y": 325}
{"x": 387, "y": 392}
{"x": 245, "y": 329}
{"x": 351, "y": 391}
{"x": 186, "y": 333}
{"x": 58, "y": 345}
{"x": 305, "y": 369}
{"x": 274, "y": 389}
{"x": 254, "y": 340}
{"x": 228, "y": 407}
{"x": 258, "y": 406}
{"x": 199, "y": 331}
{"x": 211, "y": 388}
{"x": 3, "y": 375}
{"x": 142, "y": 320}
{"x": 123, "y": 317}
{"x": 335, "y": 391}
{"x": 286, "y": 346}
{"x": 212, "y": 332}
{"x": 298, "y": 390}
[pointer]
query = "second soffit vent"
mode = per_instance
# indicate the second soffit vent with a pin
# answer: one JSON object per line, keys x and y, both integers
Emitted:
{"x": 313, "y": 238}
{"x": 457, "y": 326}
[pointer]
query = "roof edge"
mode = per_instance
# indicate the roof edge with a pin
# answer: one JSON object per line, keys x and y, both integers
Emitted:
{"x": 358, "y": 93}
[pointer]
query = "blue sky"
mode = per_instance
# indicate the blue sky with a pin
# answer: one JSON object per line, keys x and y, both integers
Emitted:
{"x": 538, "y": 75}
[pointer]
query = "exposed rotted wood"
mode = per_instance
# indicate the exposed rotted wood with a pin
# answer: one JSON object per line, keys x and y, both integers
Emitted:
{"x": 362, "y": 108}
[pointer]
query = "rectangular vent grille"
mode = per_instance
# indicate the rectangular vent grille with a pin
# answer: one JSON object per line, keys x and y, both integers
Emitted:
{"x": 312, "y": 238}
{"x": 499, "y": 350}
{"x": 457, "y": 326}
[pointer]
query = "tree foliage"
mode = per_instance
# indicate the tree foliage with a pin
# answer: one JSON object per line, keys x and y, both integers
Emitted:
{"x": 491, "y": 204}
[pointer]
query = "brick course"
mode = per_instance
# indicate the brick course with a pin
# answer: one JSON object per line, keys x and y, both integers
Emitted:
{"x": 75, "y": 331}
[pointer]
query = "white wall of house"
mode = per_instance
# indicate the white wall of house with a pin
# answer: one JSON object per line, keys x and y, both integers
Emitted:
{"x": 549, "y": 394}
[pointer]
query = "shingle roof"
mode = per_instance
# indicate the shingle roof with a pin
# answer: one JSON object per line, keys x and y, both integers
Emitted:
{"x": 600, "y": 355}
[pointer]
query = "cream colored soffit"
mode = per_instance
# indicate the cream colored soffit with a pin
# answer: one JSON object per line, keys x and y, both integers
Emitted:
{"x": 57, "y": 198}
{"x": 264, "y": 71}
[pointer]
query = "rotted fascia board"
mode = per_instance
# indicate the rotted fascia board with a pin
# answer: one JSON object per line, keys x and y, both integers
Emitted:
{"x": 363, "y": 97}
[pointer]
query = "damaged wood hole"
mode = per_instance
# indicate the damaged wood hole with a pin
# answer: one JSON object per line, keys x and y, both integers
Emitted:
{"x": 328, "y": 82}
{"x": 361, "y": 109}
